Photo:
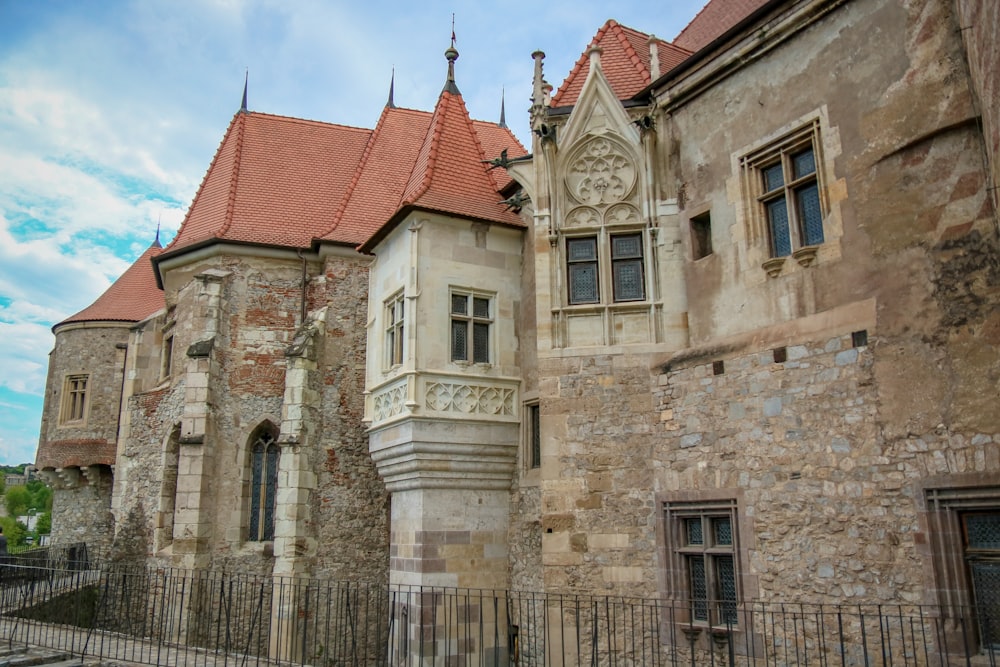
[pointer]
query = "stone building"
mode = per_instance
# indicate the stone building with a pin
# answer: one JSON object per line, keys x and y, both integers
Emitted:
{"x": 729, "y": 332}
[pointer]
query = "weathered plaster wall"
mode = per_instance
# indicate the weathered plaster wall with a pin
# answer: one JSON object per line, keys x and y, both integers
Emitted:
{"x": 979, "y": 23}
{"x": 824, "y": 450}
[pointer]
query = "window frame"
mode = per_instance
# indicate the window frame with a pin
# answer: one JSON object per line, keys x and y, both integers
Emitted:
{"x": 606, "y": 254}
{"x": 471, "y": 320}
{"x": 395, "y": 329}
{"x": 73, "y": 412}
{"x": 264, "y": 457}
{"x": 781, "y": 152}
{"x": 532, "y": 436}
{"x": 677, "y": 554}
{"x": 166, "y": 356}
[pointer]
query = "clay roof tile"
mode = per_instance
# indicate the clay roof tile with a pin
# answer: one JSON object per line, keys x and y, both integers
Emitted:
{"x": 715, "y": 18}
{"x": 624, "y": 61}
{"x": 131, "y": 298}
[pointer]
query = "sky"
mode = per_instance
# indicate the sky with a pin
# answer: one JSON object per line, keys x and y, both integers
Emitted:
{"x": 111, "y": 111}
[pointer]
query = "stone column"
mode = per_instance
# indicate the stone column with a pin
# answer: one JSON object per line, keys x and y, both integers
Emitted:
{"x": 294, "y": 541}
{"x": 450, "y": 483}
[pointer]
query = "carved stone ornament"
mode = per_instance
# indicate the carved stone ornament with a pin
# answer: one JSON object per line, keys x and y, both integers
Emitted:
{"x": 622, "y": 214}
{"x": 584, "y": 216}
{"x": 601, "y": 173}
{"x": 773, "y": 266}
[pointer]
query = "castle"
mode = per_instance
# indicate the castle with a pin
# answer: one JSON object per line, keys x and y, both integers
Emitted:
{"x": 729, "y": 331}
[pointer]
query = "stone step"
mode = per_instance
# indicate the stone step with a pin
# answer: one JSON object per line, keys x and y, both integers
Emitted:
{"x": 29, "y": 657}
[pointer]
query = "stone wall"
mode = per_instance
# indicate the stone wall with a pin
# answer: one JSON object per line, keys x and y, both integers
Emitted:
{"x": 83, "y": 513}
{"x": 248, "y": 308}
{"x": 92, "y": 350}
{"x": 979, "y": 25}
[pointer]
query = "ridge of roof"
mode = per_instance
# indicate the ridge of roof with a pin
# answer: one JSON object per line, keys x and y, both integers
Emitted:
{"x": 204, "y": 181}
{"x": 460, "y": 184}
{"x": 234, "y": 177}
{"x": 382, "y": 179}
{"x": 373, "y": 139}
{"x": 134, "y": 296}
{"x": 625, "y": 62}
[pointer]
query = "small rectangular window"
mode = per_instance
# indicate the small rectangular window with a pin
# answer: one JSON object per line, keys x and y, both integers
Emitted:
{"x": 471, "y": 322}
{"x": 74, "y": 399}
{"x": 394, "y": 330}
{"x": 701, "y": 236}
{"x": 166, "y": 356}
{"x": 705, "y": 547}
{"x": 534, "y": 436}
{"x": 788, "y": 193}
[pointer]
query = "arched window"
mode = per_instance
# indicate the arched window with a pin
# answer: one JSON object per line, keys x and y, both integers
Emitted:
{"x": 263, "y": 485}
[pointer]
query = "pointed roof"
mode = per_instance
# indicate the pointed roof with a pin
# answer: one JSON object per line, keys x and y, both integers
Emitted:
{"x": 273, "y": 181}
{"x": 714, "y": 19}
{"x": 131, "y": 298}
{"x": 624, "y": 61}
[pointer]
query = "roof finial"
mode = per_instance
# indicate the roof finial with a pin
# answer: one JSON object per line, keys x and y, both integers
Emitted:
{"x": 246, "y": 80}
{"x": 392, "y": 85}
{"x": 451, "y": 53}
{"x": 503, "y": 115}
{"x": 156, "y": 241}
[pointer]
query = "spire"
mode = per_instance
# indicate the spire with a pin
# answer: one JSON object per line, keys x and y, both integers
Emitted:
{"x": 246, "y": 80}
{"x": 451, "y": 53}
{"x": 503, "y": 115}
{"x": 156, "y": 241}
{"x": 392, "y": 85}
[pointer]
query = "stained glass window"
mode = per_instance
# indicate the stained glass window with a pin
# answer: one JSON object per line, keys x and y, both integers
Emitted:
{"x": 263, "y": 486}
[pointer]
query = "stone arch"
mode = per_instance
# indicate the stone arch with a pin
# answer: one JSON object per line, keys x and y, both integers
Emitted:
{"x": 163, "y": 533}
{"x": 262, "y": 456}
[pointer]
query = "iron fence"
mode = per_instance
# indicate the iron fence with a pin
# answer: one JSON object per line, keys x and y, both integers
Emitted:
{"x": 172, "y": 617}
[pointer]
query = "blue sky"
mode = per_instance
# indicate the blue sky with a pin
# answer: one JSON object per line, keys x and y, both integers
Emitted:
{"x": 110, "y": 113}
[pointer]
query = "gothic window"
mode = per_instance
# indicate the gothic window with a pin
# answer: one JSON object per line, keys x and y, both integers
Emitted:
{"x": 702, "y": 543}
{"x": 263, "y": 485}
{"x": 581, "y": 260}
{"x": 471, "y": 321}
{"x": 74, "y": 399}
{"x": 785, "y": 182}
{"x": 394, "y": 333}
{"x": 627, "y": 276}
{"x": 626, "y": 267}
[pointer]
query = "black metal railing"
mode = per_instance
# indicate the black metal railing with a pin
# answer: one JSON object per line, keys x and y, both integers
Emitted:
{"x": 169, "y": 617}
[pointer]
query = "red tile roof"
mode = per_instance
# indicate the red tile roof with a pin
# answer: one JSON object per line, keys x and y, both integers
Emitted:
{"x": 624, "y": 61}
{"x": 274, "y": 181}
{"x": 131, "y": 298}
{"x": 450, "y": 174}
{"x": 285, "y": 182}
{"x": 713, "y": 20}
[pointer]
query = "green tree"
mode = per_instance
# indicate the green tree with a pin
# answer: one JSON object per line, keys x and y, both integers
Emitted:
{"x": 14, "y": 531}
{"x": 18, "y": 500}
{"x": 43, "y": 526}
{"x": 41, "y": 496}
